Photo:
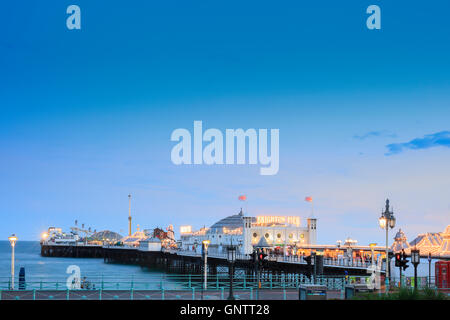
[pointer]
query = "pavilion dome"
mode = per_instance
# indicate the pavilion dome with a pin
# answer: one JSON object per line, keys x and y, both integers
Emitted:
{"x": 230, "y": 222}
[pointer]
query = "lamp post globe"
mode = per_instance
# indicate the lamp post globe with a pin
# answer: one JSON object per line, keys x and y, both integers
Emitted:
{"x": 382, "y": 222}
{"x": 392, "y": 222}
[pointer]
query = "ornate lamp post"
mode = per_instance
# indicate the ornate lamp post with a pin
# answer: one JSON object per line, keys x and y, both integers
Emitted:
{"x": 415, "y": 260}
{"x": 387, "y": 220}
{"x": 12, "y": 239}
{"x": 231, "y": 259}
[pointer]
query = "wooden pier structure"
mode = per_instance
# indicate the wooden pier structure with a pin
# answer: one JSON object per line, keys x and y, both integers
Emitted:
{"x": 181, "y": 262}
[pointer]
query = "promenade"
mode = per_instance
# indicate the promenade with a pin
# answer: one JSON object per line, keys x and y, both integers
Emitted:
{"x": 199, "y": 294}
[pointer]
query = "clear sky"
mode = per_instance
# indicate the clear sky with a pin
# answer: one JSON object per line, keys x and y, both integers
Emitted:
{"x": 86, "y": 115}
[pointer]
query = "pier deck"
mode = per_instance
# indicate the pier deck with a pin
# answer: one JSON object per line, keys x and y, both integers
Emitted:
{"x": 174, "y": 261}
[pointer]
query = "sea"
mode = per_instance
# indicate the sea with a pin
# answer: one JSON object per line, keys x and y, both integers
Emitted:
{"x": 51, "y": 272}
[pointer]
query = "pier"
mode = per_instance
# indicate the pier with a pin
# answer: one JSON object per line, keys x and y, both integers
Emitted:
{"x": 188, "y": 262}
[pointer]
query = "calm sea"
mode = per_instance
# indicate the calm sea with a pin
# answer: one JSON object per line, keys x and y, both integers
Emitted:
{"x": 46, "y": 271}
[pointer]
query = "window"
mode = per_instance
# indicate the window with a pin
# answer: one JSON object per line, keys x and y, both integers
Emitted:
{"x": 279, "y": 235}
{"x": 255, "y": 235}
{"x": 267, "y": 235}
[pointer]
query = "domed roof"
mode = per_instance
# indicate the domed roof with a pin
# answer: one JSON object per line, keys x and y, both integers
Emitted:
{"x": 400, "y": 235}
{"x": 230, "y": 222}
{"x": 106, "y": 235}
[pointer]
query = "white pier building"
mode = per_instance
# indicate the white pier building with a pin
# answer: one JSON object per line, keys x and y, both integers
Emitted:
{"x": 281, "y": 233}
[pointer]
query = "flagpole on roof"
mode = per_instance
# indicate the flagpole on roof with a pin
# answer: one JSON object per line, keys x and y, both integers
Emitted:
{"x": 244, "y": 198}
{"x": 310, "y": 199}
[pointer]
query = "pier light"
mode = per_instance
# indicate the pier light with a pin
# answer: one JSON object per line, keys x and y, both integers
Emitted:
{"x": 206, "y": 243}
{"x": 44, "y": 236}
{"x": 12, "y": 240}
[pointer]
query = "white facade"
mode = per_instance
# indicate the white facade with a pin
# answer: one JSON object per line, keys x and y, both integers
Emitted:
{"x": 151, "y": 244}
{"x": 246, "y": 232}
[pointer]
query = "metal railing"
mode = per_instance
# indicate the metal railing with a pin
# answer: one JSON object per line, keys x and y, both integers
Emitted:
{"x": 337, "y": 262}
{"x": 175, "y": 282}
{"x": 282, "y": 287}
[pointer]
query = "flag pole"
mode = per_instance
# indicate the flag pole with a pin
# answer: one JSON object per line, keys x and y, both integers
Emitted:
{"x": 246, "y": 206}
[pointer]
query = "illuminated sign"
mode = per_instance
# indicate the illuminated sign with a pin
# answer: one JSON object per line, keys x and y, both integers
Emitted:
{"x": 186, "y": 229}
{"x": 268, "y": 220}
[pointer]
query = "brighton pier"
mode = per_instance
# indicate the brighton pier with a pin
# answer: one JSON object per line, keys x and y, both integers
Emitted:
{"x": 265, "y": 246}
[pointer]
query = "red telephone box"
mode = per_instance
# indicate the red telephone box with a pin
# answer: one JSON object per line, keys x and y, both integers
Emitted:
{"x": 442, "y": 274}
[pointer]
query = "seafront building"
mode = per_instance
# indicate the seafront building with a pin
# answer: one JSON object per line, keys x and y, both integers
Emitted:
{"x": 278, "y": 233}
{"x": 435, "y": 243}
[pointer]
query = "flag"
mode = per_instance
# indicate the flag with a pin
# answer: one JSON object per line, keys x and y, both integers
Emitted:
{"x": 242, "y": 198}
{"x": 309, "y": 199}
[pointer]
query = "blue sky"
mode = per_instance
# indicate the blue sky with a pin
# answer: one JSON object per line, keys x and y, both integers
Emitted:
{"x": 86, "y": 115}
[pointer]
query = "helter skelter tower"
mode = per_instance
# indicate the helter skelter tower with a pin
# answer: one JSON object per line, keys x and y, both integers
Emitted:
{"x": 129, "y": 214}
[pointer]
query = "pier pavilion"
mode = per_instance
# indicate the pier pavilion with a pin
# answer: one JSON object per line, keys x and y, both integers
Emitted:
{"x": 282, "y": 234}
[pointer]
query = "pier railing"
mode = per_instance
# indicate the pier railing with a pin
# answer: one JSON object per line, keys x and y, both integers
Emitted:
{"x": 187, "y": 281}
{"x": 178, "y": 282}
{"x": 182, "y": 287}
{"x": 295, "y": 259}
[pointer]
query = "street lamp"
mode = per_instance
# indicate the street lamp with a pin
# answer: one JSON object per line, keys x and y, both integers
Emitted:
{"x": 415, "y": 260}
{"x": 205, "y": 257}
{"x": 387, "y": 220}
{"x": 231, "y": 257}
{"x": 429, "y": 269}
{"x": 12, "y": 239}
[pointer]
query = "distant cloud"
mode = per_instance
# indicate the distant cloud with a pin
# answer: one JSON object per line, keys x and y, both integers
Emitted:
{"x": 380, "y": 133}
{"x": 441, "y": 139}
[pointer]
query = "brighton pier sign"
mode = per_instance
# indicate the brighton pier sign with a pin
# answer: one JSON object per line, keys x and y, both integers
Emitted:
{"x": 269, "y": 220}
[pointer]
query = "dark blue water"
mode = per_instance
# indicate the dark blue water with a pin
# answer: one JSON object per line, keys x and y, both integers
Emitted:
{"x": 49, "y": 272}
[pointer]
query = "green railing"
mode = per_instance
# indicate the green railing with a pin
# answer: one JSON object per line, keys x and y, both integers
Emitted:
{"x": 175, "y": 282}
